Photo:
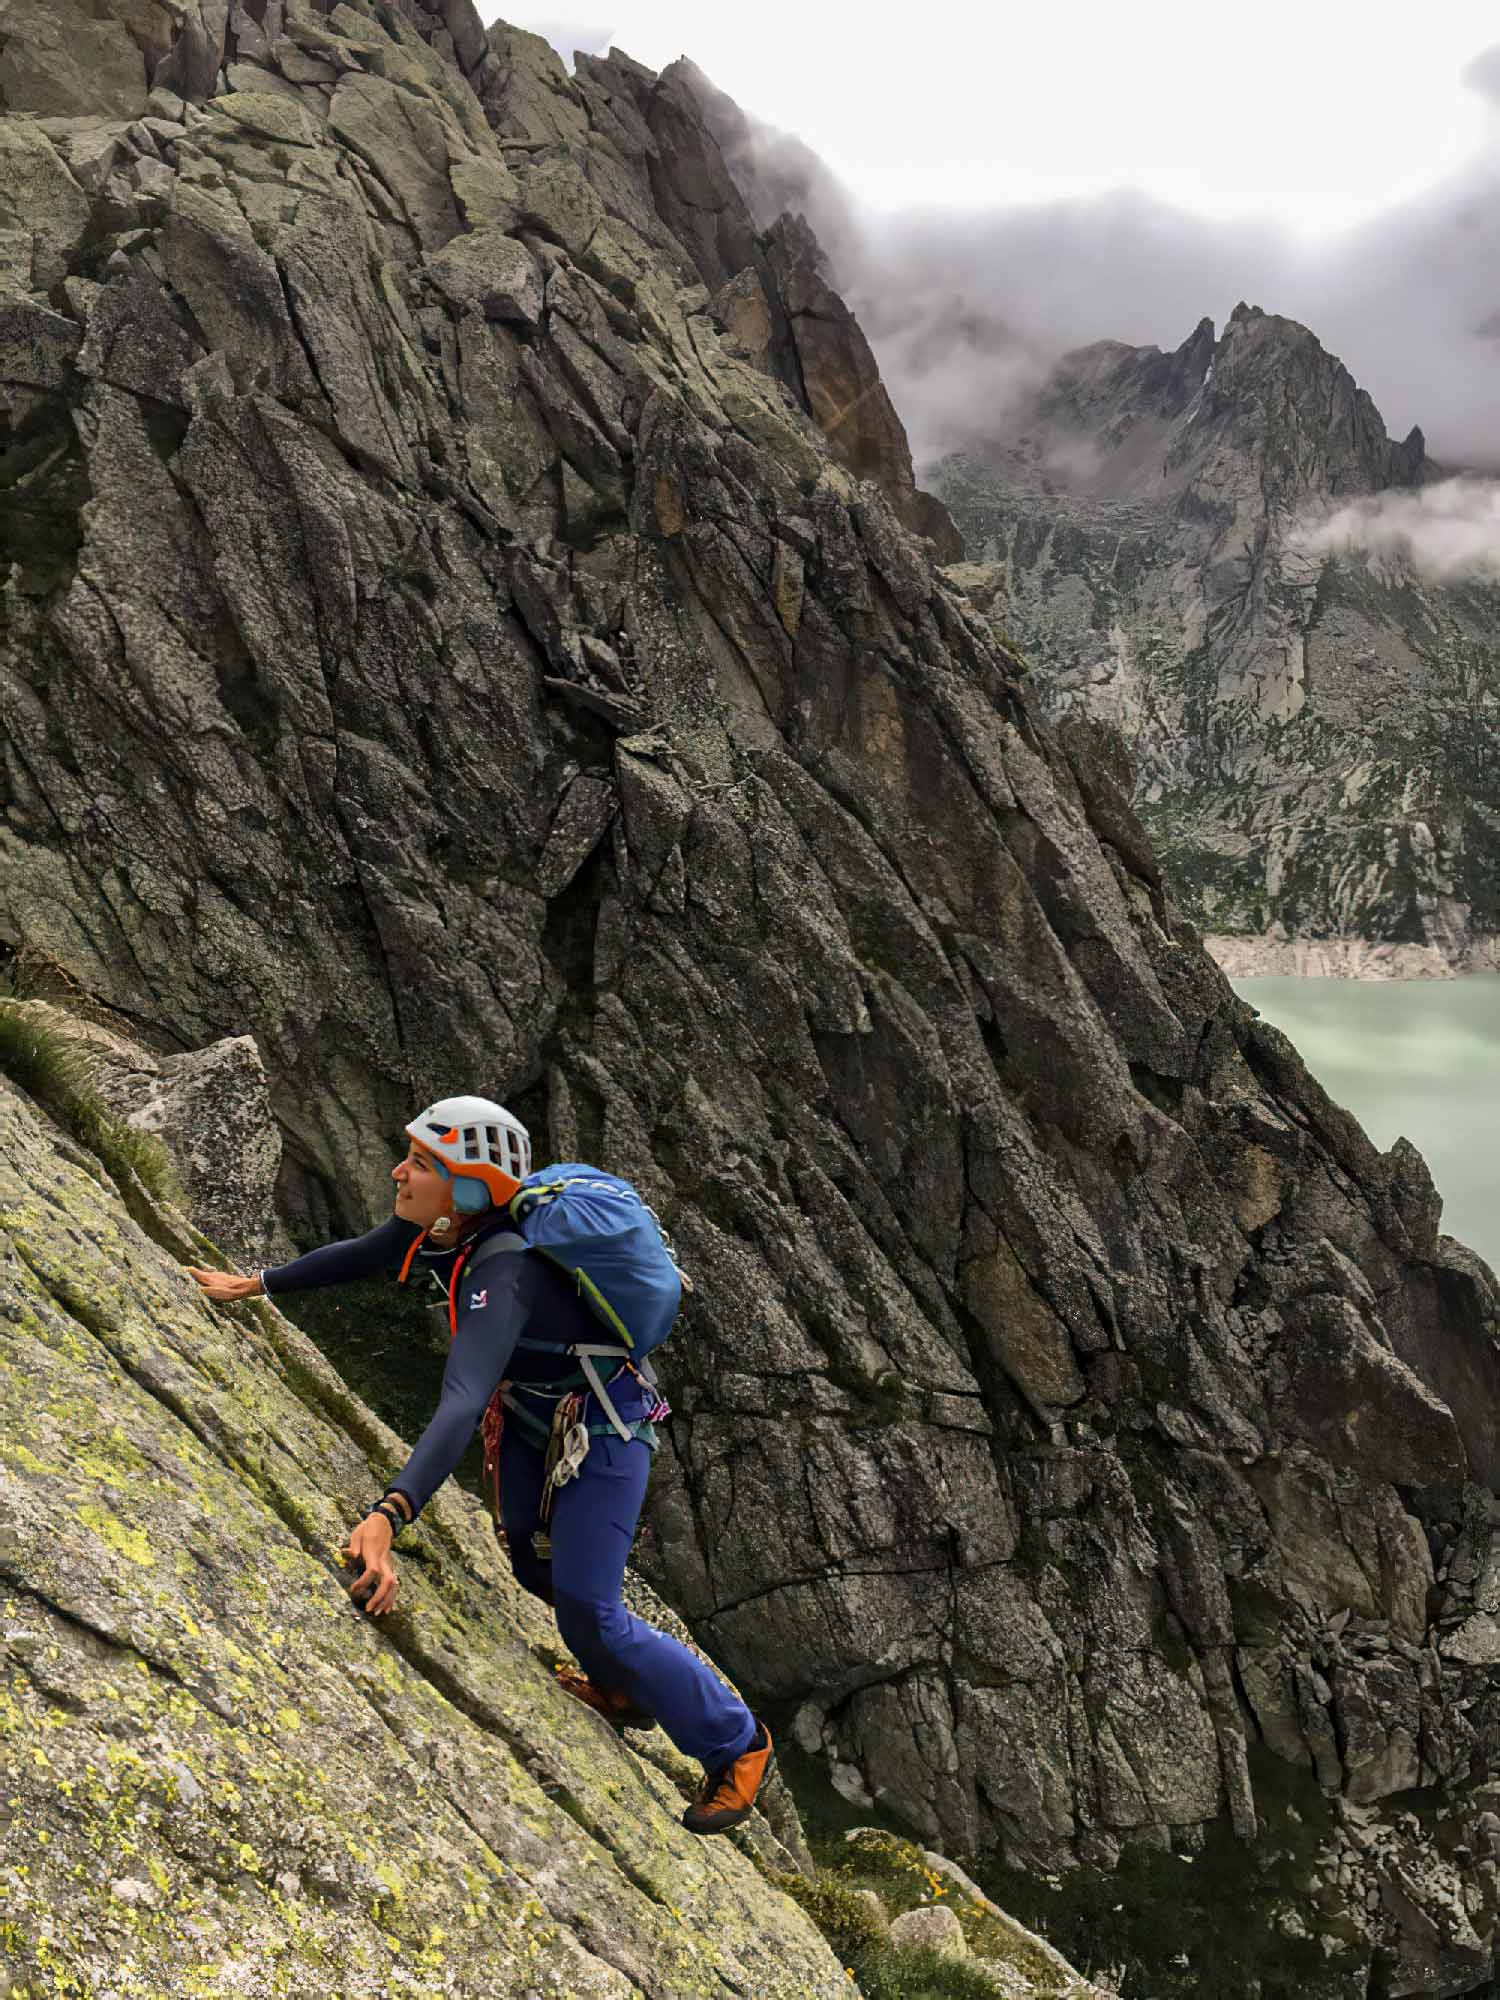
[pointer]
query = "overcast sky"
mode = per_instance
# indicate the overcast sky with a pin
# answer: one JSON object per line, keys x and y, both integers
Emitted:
{"x": 1024, "y": 180}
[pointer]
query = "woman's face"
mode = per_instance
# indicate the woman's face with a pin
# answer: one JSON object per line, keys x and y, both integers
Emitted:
{"x": 422, "y": 1195}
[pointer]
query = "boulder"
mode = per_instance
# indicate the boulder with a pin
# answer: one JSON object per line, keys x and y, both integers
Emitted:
{"x": 934, "y": 1927}
{"x": 211, "y": 1109}
{"x": 490, "y": 273}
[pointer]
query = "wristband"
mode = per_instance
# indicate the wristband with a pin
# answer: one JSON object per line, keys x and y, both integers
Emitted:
{"x": 387, "y": 1514}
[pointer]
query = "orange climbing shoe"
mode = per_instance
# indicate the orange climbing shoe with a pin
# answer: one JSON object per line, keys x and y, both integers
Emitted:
{"x": 618, "y": 1710}
{"x": 727, "y": 1796}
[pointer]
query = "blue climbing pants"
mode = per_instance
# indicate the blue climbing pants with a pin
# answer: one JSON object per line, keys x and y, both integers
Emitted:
{"x": 592, "y": 1527}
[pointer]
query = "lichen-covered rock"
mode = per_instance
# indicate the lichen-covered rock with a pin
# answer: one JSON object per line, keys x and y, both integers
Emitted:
{"x": 62, "y": 58}
{"x": 217, "y": 1775}
{"x": 211, "y": 1108}
{"x": 492, "y": 273}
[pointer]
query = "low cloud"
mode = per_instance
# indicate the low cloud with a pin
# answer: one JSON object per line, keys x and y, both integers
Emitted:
{"x": 1449, "y": 531}
{"x": 968, "y": 313}
{"x": 1410, "y": 303}
{"x": 968, "y": 308}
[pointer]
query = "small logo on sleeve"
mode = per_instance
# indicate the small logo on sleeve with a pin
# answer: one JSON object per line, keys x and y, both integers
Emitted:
{"x": 478, "y": 1299}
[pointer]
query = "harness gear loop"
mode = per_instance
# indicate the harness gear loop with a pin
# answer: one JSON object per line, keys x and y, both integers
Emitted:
{"x": 567, "y": 1448}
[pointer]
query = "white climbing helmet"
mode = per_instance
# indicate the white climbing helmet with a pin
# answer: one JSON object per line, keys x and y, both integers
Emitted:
{"x": 479, "y": 1145}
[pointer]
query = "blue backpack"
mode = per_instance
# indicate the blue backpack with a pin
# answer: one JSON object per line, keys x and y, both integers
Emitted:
{"x": 596, "y": 1227}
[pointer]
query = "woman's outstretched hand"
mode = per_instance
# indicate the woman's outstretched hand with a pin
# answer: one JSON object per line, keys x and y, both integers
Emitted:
{"x": 223, "y": 1286}
{"x": 374, "y": 1590}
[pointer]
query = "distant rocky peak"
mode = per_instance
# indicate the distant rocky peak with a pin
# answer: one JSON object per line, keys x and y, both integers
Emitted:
{"x": 1275, "y": 393}
{"x": 1261, "y": 342}
{"x": 1260, "y": 409}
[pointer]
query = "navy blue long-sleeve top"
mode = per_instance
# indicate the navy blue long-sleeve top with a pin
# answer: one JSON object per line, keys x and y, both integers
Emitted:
{"x": 508, "y": 1296}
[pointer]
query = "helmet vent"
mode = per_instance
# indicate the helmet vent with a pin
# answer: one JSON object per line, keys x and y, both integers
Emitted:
{"x": 475, "y": 1134}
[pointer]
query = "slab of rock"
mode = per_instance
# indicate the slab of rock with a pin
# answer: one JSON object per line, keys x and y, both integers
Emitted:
{"x": 63, "y": 58}
{"x": 179, "y": 1648}
{"x": 555, "y": 200}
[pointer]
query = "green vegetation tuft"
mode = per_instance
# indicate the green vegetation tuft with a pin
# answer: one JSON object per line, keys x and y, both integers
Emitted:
{"x": 920, "y": 1974}
{"x": 50, "y": 1066}
{"x": 856, "y": 1936}
{"x": 899, "y": 1873}
{"x": 851, "y": 1927}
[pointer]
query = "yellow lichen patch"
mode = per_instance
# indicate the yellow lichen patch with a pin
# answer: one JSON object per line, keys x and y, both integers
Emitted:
{"x": 17, "y": 1454}
{"x": 124, "y": 1540}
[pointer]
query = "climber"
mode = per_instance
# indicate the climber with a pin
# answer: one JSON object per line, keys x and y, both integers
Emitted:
{"x": 465, "y": 1163}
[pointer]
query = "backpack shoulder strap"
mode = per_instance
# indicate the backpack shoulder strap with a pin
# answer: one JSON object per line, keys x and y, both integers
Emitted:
{"x": 504, "y": 1242}
{"x": 467, "y": 1261}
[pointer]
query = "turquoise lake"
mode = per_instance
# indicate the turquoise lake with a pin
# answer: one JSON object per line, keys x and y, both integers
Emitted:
{"x": 1413, "y": 1056}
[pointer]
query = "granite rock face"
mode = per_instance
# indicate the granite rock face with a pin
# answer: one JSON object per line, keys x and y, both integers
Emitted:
{"x": 438, "y": 642}
{"x": 1310, "y": 730}
{"x": 211, "y": 1108}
